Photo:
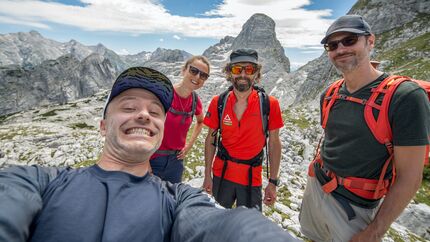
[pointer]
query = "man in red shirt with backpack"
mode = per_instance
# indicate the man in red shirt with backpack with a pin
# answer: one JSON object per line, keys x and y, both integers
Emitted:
{"x": 376, "y": 132}
{"x": 246, "y": 118}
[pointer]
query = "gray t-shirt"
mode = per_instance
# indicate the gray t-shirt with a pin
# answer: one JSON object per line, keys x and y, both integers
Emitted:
{"x": 349, "y": 147}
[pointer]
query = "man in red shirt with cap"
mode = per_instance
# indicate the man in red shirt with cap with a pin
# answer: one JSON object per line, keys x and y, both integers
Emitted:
{"x": 237, "y": 166}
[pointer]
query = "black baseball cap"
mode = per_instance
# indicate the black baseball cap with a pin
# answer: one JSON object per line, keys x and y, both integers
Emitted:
{"x": 145, "y": 78}
{"x": 244, "y": 55}
{"x": 348, "y": 23}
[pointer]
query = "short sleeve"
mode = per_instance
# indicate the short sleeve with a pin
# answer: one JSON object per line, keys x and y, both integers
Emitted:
{"x": 211, "y": 116}
{"x": 275, "y": 116}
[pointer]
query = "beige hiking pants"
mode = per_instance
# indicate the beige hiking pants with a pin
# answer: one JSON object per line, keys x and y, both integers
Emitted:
{"x": 322, "y": 218}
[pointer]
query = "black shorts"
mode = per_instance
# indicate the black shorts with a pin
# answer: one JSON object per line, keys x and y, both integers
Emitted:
{"x": 231, "y": 192}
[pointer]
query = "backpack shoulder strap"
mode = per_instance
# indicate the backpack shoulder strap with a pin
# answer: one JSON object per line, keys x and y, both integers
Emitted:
{"x": 194, "y": 104}
{"x": 193, "y": 108}
{"x": 380, "y": 126}
{"x": 222, "y": 101}
{"x": 329, "y": 98}
{"x": 264, "y": 109}
{"x": 424, "y": 85}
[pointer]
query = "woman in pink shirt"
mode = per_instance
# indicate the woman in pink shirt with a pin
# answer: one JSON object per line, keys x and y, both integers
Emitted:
{"x": 167, "y": 162}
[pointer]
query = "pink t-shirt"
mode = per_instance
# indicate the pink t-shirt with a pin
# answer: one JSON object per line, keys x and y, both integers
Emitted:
{"x": 176, "y": 126}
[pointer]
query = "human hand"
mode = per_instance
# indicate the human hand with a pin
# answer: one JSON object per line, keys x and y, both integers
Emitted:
{"x": 181, "y": 155}
{"x": 207, "y": 184}
{"x": 270, "y": 194}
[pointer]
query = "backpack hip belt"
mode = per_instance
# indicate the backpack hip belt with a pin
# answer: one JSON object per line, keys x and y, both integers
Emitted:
{"x": 362, "y": 187}
{"x": 256, "y": 161}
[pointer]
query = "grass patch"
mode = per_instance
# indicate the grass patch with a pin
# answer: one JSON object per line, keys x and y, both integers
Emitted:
{"x": 361, "y": 4}
{"x": 195, "y": 156}
{"x": 284, "y": 196}
{"x": 409, "y": 57}
{"x": 423, "y": 194}
{"x": 298, "y": 121}
{"x": 81, "y": 126}
{"x": 49, "y": 113}
{"x": 394, "y": 235}
{"x": 85, "y": 163}
{"x": 4, "y": 117}
{"x": 53, "y": 112}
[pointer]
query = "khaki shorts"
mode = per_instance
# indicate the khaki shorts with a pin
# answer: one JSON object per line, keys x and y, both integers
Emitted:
{"x": 323, "y": 219}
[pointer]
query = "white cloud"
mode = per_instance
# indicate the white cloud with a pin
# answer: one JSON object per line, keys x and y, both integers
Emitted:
{"x": 161, "y": 40}
{"x": 176, "y": 37}
{"x": 9, "y": 20}
{"x": 295, "y": 26}
{"x": 123, "y": 52}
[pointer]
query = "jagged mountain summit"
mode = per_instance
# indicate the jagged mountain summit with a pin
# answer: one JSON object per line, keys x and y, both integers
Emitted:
{"x": 257, "y": 33}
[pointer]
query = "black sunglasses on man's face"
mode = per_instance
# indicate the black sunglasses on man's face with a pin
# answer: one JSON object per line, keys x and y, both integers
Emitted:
{"x": 347, "y": 41}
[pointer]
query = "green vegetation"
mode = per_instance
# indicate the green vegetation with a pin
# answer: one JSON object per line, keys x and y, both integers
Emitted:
{"x": 81, "y": 126}
{"x": 360, "y": 4}
{"x": 423, "y": 194}
{"x": 394, "y": 235}
{"x": 24, "y": 157}
{"x": 284, "y": 196}
{"x": 86, "y": 163}
{"x": 299, "y": 121}
{"x": 272, "y": 209}
{"x": 22, "y": 131}
{"x": 4, "y": 117}
{"x": 404, "y": 61}
{"x": 195, "y": 156}
{"x": 410, "y": 57}
{"x": 53, "y": 112}
{"x": 49, "y": 113}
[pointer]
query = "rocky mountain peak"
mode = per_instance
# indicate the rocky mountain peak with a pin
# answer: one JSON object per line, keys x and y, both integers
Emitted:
{"x": 259, "y": 33}
{"x": 34, "y": 33}
{"x": 169, "y": 56}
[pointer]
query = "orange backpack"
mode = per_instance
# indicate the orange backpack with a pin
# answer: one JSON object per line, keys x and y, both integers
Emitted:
{"x": 380, "y": 128}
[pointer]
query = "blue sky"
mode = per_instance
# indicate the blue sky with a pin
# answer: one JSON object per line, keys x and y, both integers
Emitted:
{"x": 132, "y": 26}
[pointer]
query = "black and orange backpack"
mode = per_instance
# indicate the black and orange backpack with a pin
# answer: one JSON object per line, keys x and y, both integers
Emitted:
{"x": 380, "y": 128}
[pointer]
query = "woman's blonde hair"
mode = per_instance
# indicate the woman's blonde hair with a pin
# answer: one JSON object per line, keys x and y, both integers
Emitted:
{"x": 197, "y": 57}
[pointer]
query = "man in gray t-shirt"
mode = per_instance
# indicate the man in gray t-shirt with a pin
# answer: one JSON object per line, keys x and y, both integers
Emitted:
{"x": 343, "y": 199}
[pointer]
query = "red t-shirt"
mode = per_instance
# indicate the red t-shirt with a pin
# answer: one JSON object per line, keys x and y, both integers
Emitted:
{"x": 243, "y": 139}
{"x": 176, "y": 126}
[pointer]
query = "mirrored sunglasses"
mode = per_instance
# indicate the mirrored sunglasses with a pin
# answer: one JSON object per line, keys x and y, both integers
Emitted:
{"x": 194, "y": 71}
{"x": 349, "y": 40}
{"x": 237, "y": 69}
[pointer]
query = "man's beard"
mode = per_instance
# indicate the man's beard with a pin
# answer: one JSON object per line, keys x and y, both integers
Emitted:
{"x": 346, "y": 67}
{"x": 242, "y": 87}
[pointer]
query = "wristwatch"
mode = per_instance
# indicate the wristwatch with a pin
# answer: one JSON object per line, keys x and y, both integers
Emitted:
{"x": 274, "y": 181}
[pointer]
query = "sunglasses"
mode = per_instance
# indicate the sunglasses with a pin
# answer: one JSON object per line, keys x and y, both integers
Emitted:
{"x": 237, "y": 69}
{"x": 349, "y": 40}
{"x": 194, "y": 71}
